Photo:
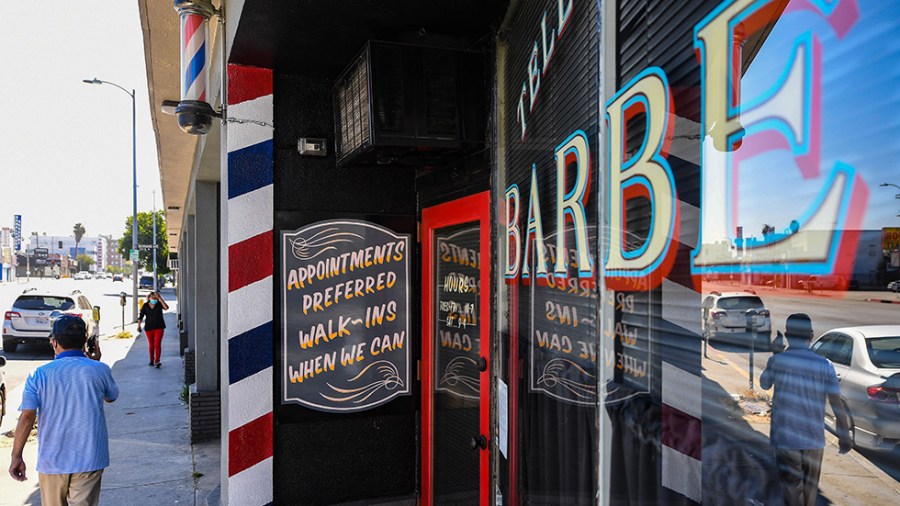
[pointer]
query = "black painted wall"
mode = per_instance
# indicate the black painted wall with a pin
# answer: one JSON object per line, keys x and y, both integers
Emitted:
{"x": 372, "y": 456}
{"x": 322, "y": 458}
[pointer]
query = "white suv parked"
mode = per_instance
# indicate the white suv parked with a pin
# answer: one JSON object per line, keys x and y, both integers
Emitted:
{"x": 31, "y": 317}
{"x": 725, "y": 319}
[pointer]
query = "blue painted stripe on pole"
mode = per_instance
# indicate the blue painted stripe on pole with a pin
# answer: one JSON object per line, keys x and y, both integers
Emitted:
{"x": 250, "y": 353}
{"x": 195, "y": 66}
{"x": 249, "y": 168}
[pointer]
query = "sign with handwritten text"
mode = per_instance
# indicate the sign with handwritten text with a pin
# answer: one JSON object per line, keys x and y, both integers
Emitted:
{"x": 458, "y": 329}
{"x": 345, "y": 314}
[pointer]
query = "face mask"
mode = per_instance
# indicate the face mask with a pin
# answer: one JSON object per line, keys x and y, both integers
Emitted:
{"x": 152, "y": 302}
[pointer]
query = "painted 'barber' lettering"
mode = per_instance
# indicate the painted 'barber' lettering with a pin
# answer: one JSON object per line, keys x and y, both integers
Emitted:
{"x": 787, "y": 116}
{"x": 572, "y": 158}
{"x": 645, "y": 174}
{"x": 730, "y": 134}
{"x": 532, "y": 86}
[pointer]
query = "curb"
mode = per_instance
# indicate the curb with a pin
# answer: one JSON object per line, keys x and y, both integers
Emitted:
{"x": 885, "y": 301}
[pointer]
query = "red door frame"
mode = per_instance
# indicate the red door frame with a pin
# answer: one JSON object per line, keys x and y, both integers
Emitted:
{"x": 467, "y": 209}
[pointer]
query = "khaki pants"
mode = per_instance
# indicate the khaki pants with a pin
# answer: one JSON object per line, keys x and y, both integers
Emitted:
{"x": 77, "y": 489}
{"x": 799, "y": 472}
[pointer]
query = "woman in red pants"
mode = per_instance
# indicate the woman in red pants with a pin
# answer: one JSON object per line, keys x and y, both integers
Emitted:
{"x": 152, "y": 310}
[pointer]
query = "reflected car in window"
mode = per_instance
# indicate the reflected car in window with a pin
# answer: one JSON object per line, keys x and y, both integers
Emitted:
{"x": 867, "y": 363}
{"x": 725, "y": 319}
{"x": 824, "y": 283}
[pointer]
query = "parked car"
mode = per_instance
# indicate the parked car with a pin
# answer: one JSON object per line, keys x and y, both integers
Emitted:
{"x": 867, "y": 363}
{"x": 725, "y": 319}
{"x": 31, "y": 317}
{"x": 824, "y": 283}
{"x": 145, "y": 282}
{"x": 117, "y": 277}
{"x": 894, "y": 286}
{"x": 2, "y": 389}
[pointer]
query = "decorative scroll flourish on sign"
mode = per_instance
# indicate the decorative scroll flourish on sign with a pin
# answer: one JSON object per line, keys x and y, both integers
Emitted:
{"x": 563, "y": 332}
{"x": 345, "y": 295}
{"x": 457, "y": 326}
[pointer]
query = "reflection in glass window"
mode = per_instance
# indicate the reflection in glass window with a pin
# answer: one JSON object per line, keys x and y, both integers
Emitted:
{"x": 740, "y": 302}
{"x": 884, "y": 351}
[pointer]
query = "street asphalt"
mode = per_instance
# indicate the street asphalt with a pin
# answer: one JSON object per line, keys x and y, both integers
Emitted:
{"x": 152, "y": 460}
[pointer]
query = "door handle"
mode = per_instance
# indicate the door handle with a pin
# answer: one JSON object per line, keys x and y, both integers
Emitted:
{"x": 482, "y": 364}
{"x": 478, "y": 442}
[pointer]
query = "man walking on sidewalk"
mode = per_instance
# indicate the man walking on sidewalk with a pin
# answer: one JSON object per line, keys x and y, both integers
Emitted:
{"x": 68, "y": 394}
{"x": 802, "y": 380}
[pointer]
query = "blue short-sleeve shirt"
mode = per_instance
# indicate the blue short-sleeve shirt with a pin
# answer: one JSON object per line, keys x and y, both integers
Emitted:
{"x": 802, "y": 383}
{"x": 68, "y": 394}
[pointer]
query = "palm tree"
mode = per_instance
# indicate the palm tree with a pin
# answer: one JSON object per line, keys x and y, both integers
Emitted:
{"x": 78, "y": 230}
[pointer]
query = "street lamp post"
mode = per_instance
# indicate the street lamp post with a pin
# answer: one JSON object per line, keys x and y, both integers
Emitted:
{"x": 155, "y": 287}
{"x": 897, "y": 196}
{"x": 134, "y": 220}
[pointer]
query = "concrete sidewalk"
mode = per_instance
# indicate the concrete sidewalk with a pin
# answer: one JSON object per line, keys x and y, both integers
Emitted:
{"x": 151, "y": 458}
{"x": 846, "y": 479}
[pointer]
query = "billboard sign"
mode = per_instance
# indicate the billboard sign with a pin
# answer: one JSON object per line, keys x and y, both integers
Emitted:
{"x": 890, "y": 238}
{"x": 17, "y": 232}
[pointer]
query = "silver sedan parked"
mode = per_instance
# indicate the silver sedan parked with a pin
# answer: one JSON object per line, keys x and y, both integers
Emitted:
{"x": 867, "y": 363}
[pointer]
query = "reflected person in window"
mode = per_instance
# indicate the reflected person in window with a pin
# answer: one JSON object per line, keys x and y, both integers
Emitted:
{"x": 803, "y": 381}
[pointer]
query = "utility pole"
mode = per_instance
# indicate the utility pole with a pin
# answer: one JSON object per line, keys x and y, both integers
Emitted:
{"x": 155, "y": 287}
{"x": 897, "y": 196}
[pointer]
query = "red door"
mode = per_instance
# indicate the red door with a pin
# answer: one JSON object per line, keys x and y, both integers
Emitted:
{"x": 456, "y": 351}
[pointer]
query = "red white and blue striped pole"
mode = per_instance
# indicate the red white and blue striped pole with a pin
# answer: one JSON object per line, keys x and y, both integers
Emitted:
{"x": 194, "y": 112}
{"x": 194, "y": 57}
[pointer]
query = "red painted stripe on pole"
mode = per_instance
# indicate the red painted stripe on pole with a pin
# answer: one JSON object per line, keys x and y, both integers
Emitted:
{"x": 250, "y": 444}
{"x": 250, "y": 261}
{"x": 681, "y": 431}
{"x": 247, "y": 83}
{"x": 191, "y": 23}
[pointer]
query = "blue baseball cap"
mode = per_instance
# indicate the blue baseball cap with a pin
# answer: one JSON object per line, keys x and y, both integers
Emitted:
{"x": 69, "y": 325}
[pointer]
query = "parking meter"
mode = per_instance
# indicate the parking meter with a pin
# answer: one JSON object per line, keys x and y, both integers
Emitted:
{"x": 122, "y": 303}
{"x": 96, "y": 314}
{"x": 751, "y": 329}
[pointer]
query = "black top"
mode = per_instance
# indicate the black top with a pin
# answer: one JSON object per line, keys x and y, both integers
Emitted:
{"x": 154, "y": 316}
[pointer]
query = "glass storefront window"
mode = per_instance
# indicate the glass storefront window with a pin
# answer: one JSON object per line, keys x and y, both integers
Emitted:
{"x": 741, "y": 218}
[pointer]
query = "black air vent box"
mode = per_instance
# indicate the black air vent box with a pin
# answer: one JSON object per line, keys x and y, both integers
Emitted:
{"x": 399, "y": 103}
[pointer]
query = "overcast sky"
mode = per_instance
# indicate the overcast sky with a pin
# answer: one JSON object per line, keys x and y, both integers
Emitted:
{"x": 65, "y": 146}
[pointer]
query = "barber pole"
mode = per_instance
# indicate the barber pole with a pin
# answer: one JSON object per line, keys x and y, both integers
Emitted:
{"x": 194, "y": 56}
{"x": 194, "y": 112}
